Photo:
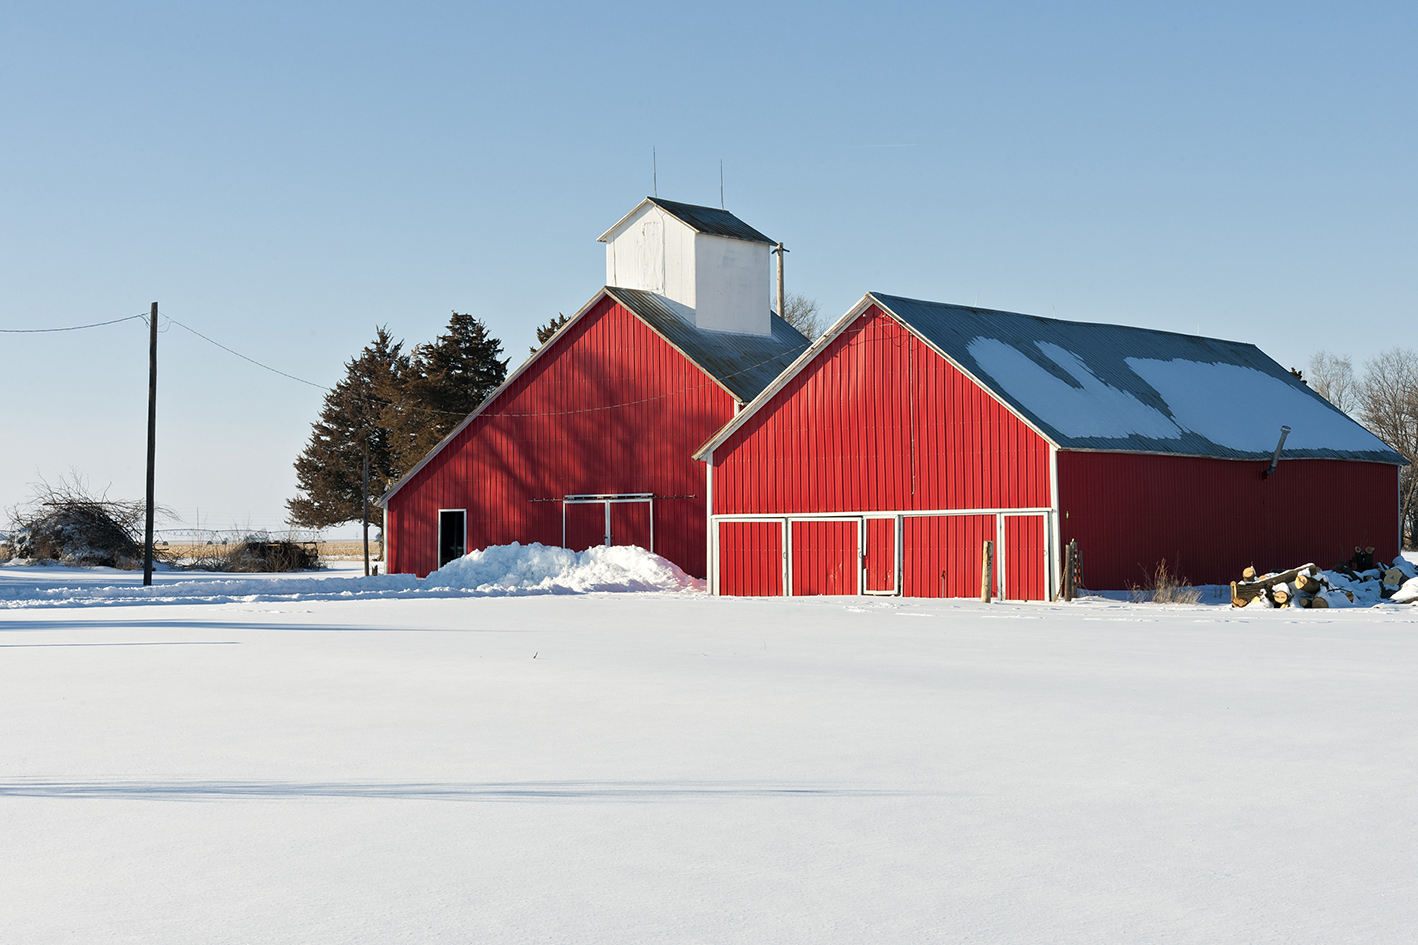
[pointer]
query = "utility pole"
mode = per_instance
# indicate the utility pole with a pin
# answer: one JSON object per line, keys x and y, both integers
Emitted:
{"x": 781, "y": 251}
{"x": 152, "y": 440}
{"x": 364, "y": 505}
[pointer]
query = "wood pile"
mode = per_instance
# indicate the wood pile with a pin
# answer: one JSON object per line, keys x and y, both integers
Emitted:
{"x": 1299, "y": 587}
{"x": 1359, "y": 581}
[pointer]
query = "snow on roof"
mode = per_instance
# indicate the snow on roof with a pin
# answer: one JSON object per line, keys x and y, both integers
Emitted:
{"x": 1113, "y": 387}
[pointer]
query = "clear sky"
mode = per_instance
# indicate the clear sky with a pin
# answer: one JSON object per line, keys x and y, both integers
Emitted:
{"x": 285, "y": 177}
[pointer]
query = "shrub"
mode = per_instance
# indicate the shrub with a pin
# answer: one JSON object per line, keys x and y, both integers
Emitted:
{"x": 260, "y": 556}
{"x": 1166, "y": 586}
{"x": 69, "y": 524}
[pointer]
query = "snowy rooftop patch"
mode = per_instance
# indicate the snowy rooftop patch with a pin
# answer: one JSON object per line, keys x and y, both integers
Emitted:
{"x": 1113, "y": 387}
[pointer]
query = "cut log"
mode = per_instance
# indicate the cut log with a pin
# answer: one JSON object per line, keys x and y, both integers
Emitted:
{"x": 1249, "y": 574}
{"x": 1280, "y": 596}
{"x": 1393, "y": 578}
{"x": 1250, "y": 590}
{"x": 1309, "y": 583}
{"x": 1319, "y": 602}
{"x": 1302, "y": 601}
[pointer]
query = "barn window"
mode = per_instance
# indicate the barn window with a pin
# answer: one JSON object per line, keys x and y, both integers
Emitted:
{"x": 452, "y": 535}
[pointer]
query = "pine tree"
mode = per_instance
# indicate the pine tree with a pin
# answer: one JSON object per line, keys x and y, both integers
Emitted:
{"x": 446, "y": 380}
{"x": 329, "y": 471}
{"x": 544, "y": 332}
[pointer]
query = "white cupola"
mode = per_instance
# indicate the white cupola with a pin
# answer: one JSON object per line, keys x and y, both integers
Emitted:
{"x": 710, "y": 266}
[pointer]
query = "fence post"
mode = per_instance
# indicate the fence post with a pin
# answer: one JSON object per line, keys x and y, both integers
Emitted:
{"x": 1070, "y": 553}
{"x": 987, "y": 572}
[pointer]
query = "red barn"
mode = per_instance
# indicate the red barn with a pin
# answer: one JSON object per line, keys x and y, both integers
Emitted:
{"x": 913, "y": 431}
{"x": 591, "y": 440}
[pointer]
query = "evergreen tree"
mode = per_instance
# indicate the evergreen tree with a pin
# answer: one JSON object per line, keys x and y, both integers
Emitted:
{"x": 329, "y": 471}
{"x": 446, "y": 380}
{"x": 544, "y": 332}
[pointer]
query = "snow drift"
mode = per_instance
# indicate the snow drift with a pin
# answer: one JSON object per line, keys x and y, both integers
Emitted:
{"x": 499, "y": 571}
{"x": 537, "y": 567}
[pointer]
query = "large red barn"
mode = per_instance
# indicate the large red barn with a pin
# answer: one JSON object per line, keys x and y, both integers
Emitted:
{"x": 590, "y": 441}
{"x": 913, "y": 431}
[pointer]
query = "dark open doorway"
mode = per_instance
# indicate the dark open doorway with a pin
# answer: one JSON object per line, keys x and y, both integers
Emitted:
{"x": 452, "y": 535}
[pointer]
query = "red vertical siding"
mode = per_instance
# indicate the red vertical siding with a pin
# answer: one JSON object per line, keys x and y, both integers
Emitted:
{"x": 880, "y": 422}
{"x": 613, "y": 408}
{"x": 1024, "y": 557}
{"x": 585, "y": 526}
{"x": 751, "y": 559}
{"x": 881, "y": 554}
{"x": 630, "y": 524}
{"x": 944, "y": 554}
{"x": 1211, "y": 518}
{"x": 824, "y": 558}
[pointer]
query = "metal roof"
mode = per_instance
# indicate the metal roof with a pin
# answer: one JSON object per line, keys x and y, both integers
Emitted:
{"x": 743, "y": 363}
{"x": 710, "y": 220}
{"x": 1116, "y": 388}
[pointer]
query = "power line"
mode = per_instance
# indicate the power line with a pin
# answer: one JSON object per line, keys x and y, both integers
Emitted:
{"x": 397, "y": 405}
{"x": 242, "y": 356}
{"x": 37, "y": 331}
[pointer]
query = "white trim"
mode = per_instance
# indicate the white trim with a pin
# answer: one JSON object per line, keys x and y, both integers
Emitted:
{"x": 1050, "y": 524}
{"x": 711, "y": 543}
{"x": 1055, "y": 544}
{"x": 1001, "y": 564}
{"x": 896, "y": 529}
{"x": 903, "y": 513}
{"x": 438, "y": 548}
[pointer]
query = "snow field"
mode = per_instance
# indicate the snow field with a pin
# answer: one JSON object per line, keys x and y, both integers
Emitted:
{"x": 669, "y": 768}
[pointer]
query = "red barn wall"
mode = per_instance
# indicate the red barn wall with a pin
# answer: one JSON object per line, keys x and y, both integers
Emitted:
{"x": 880, "y": 422}
{"x": 1210, "y": 518}
{"x": 613, "y": 408}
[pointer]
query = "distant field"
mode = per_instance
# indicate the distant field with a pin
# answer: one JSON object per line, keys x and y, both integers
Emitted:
{"x": 326, "y": 549}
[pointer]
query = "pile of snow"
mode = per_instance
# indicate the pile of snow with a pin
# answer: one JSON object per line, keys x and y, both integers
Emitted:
{"x": 536, "y": 567}
{"x": 499, "y": 571}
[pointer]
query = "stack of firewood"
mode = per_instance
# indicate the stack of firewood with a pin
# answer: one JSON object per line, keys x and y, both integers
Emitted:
{"x": 1360, "y": 580}
{"x": 1304, "y": 586}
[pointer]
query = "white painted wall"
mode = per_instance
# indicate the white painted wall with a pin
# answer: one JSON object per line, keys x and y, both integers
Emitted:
{"x": 733, "y": 285}
{"x": 713, "y": 282}
{"x": 653, "y": 251}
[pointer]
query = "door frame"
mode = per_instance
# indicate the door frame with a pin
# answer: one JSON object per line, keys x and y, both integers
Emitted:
{"x": 438, "y": 549}
{"x": 608, "y": 499}
{"x": 1049, "y": 515}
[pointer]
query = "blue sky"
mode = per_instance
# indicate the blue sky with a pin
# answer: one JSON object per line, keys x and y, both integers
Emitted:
{"x": 284, "y": 178}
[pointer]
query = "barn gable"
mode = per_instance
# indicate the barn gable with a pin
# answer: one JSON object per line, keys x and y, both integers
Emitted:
{"x": 878, "y": 421}
{"x": 874, "y": 465}
{"x": 613, "y": 404}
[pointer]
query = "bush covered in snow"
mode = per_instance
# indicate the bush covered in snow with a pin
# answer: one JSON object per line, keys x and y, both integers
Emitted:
{"x": 69, "y": 524}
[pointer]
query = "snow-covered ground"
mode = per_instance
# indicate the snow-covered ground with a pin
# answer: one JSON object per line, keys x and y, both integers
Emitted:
{"x": 335, "y": 766}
